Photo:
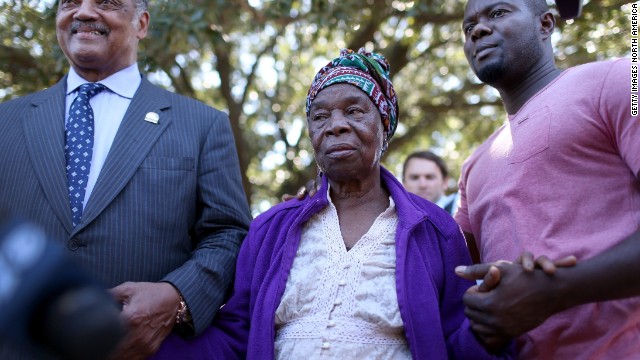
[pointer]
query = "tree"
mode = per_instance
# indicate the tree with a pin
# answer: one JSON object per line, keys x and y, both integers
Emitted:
{"x": 256, "y": 58}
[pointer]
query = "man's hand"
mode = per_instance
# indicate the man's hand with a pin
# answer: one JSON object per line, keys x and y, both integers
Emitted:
{"x": 494, "y": 328}
{"x": 310, "y": 188}
{"x": 490, "y": 273}
{"x": 522, "y": 301}
{"x": 526, "y": 259}
{"x": 149, "y": 311}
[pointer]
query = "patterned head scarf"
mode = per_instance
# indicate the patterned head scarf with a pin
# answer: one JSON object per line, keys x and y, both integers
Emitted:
{"x": 368, "y": 72}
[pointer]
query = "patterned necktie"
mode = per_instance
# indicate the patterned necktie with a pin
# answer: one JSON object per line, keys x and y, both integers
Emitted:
{"x": 79, "y": 146}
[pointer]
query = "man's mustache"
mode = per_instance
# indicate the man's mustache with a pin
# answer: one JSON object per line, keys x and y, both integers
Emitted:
{"x": 92, "y": 26}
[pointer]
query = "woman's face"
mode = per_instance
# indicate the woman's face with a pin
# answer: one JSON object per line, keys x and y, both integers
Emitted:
{"x": 346, "y": 132}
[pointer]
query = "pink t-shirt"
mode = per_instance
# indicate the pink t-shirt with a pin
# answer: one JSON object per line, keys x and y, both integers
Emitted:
{"x": 561, "y": 178}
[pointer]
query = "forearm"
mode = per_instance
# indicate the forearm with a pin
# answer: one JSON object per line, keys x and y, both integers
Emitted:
{"x": 461, "y": 341}
{"x": 464, "y": 344}
{"x": 610, "y": 275}
{"x": 205, "y": 279}
{"x": 221, "y": 223}
{"x": 522, "y": 300}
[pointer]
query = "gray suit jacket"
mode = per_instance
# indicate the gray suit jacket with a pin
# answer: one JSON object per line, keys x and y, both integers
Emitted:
{"x": 168, "y": 204}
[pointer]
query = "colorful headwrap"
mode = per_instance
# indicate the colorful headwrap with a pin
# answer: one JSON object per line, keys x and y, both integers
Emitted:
{"x": 367, "y": 71}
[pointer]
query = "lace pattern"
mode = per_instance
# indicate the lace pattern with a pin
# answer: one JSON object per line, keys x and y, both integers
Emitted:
{"x": 339, "y": 302}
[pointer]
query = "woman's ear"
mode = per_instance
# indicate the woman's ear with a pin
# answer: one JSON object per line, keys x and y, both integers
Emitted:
{"x": 385, "y": 143}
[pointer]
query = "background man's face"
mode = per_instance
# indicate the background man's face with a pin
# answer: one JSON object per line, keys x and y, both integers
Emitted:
{"x": 424, "y": 178}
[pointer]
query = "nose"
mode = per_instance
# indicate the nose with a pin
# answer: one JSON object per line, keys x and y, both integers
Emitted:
{"x": 480, "y": 30}
{"x": 337, "y": 125}
{"x": 85, "y": 11}
{"x": 423, "y": 183}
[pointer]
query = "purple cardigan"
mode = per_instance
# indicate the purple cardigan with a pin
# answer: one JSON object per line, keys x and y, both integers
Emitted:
{"x": 429, "y": 245}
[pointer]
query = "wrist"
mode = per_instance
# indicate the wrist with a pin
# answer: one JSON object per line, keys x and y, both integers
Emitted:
{"x": 564, "y": 296}
{"x": 183, "y": 321}
{"x": 183, "y": 315}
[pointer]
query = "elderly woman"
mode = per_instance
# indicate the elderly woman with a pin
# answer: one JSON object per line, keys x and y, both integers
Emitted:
{"x": 360, "y": 270}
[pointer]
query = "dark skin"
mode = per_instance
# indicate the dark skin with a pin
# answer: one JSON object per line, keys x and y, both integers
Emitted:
{"x": 491, "y": 27}
{"x": 310, "y": 188}
{"x": 100, "y": 38}
{"x": 518, "y": 300}
{"x": 346, "y": 132}
{"x": 520, "y": 296}
{"x": 347, "y": 136}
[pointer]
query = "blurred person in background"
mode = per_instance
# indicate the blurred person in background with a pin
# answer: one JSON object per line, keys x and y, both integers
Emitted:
{"x": 426, "y": 175}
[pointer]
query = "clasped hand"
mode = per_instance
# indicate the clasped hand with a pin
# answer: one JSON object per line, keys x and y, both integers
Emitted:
{"x": 513, "y": 298}
{"x": 149, "y": 311}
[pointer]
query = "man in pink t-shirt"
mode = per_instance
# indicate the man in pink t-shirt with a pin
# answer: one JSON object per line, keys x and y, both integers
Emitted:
{"x": 560, "y": 177}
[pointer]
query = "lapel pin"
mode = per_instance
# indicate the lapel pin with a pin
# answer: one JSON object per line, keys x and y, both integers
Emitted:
{"x": 152, "y": 117}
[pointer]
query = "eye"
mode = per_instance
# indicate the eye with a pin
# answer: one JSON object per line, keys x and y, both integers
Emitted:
{"x": 318, "y": 116}
{"x": 354, "y": 110}
{"x": 497, "y": 13}
{"x": 468, "y": 28}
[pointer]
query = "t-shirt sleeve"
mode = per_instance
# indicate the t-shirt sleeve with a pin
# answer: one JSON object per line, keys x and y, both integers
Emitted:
{"x": 615, "y": 108}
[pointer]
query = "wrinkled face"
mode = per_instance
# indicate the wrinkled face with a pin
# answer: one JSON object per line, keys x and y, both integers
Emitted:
{"x": 424, "y": 178}
{"x": 100, "y": 37}
{"x": 346, "y": 132}
{"x": 502, "y": 40}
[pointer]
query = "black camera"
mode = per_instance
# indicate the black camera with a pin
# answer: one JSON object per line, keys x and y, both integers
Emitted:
{"x": 569, "y": 9}
{"x": 49, "y": 303}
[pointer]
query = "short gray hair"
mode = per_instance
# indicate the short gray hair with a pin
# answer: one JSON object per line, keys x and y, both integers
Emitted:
{"x": 141, "y": 6}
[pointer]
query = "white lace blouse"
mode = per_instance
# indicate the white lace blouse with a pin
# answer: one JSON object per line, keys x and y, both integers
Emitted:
{"x": 339, "y": 303}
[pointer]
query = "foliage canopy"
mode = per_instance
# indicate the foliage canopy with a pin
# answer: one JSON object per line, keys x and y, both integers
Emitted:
{"x": 255, "y": 59}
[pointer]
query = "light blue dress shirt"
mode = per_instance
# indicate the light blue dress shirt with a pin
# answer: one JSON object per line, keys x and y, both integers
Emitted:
{"x": 109, "y": 108}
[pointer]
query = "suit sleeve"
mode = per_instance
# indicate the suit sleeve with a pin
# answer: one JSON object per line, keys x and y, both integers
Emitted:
{"x": 227, "y": 338}
{"x": 229, "y": 334}
{"x": 222, "y": 220}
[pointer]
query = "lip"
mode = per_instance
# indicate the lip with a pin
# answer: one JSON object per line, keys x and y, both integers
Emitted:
{"x": 88, "y": 34}
{"x": 339, "y": 150}
{"x": 483, "y": 49}
{"x": 89, "y": 28}
{"x": 87, "y": 31}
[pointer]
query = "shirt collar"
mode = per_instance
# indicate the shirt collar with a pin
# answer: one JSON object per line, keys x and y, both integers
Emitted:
{"x": 124, "y": 83}
{"x": 442, "y": 201}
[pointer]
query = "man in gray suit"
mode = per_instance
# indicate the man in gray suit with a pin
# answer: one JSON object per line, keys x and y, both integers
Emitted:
{"x": 152, "y": 203}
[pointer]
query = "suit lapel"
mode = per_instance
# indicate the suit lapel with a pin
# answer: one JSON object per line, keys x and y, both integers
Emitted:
{"x": 44, "y": 133}
{"x": 132, "y": 144}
